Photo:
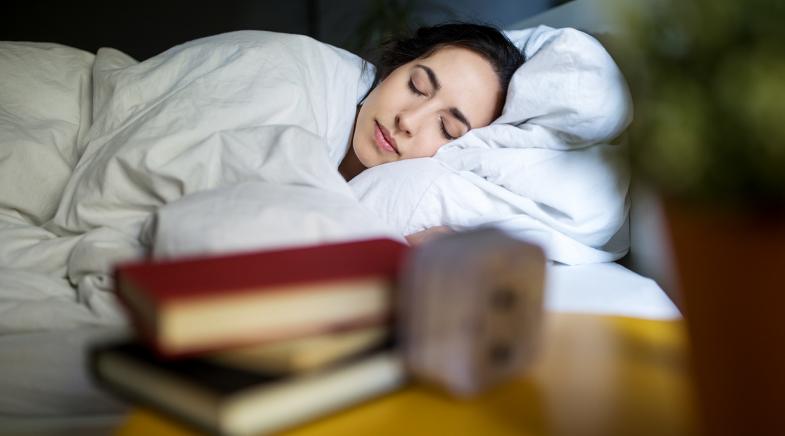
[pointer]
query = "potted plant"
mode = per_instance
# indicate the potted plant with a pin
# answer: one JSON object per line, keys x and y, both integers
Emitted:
{"x": 708, "y": 83}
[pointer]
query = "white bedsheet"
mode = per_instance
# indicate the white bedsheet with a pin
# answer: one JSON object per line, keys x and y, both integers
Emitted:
{"x": 606, "y": 289}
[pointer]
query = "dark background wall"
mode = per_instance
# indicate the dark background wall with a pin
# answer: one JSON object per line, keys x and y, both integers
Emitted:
{"x": 143, "y": 28}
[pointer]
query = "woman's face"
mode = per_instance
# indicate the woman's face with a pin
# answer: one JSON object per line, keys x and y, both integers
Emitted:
{"x": 425, "y": 104}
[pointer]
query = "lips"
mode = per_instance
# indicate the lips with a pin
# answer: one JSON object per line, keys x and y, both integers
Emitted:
{"x": 383, "y": 139}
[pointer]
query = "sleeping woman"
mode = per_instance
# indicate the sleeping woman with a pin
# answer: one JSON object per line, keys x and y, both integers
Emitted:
{"x": 433, "y": 87}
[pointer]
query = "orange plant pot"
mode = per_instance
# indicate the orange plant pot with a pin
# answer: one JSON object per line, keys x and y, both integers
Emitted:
{"x": 731, "y": 274}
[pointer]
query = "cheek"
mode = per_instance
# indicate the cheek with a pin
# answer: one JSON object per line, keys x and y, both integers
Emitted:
{"x": 429, "y": 143}
{"x": 369, "y": 110}
{"x": 368, "y": 105}
{"x": 438, "y": 142}
{"x": 387, "y": 101}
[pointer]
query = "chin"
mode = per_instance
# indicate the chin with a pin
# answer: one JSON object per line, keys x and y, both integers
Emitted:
{"x": 361, "y": 152}
{"x": 369, "y": 161}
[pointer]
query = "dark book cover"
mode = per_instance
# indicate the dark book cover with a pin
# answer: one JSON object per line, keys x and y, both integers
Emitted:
{"x": 200, "y": 392}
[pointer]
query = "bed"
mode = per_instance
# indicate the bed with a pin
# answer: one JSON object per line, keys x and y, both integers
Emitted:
{"x": 54, "y": 304}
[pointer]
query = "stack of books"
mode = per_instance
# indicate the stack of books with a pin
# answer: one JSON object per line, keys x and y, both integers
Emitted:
{"x": 260, "y": 341}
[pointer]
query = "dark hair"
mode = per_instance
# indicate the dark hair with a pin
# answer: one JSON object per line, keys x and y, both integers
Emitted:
{"x": 484, "y": 40}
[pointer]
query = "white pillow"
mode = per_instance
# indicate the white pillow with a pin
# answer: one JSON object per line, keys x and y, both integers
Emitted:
{"x": 45, "y": 111}
{"x": 416, "y": 194}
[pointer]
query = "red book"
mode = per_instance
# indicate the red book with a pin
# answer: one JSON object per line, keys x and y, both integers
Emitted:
{"x": 193, "y": 305}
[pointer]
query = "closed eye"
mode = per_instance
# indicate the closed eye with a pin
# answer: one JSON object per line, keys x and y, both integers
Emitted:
{"x": 446, "y": 134}
{"x": 444, "y": 130}
{"x": 414, "y": 88}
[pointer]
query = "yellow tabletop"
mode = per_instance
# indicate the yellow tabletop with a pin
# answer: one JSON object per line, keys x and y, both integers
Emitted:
{"x": 595, "y": 375}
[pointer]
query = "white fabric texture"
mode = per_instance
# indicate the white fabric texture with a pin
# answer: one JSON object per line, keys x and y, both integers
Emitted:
{"x": 254, "y": 214}
{"x": 46, "y": 106}
{"x": 545, "y": 170}
{"x": 606, "y": 289}
{"x": 207, "y": 115}
{"x": 45, "y": 111}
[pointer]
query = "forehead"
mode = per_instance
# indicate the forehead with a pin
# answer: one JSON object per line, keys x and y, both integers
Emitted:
{"x": 468, "y": 82}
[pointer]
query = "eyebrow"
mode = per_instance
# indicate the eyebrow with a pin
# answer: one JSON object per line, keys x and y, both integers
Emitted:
{"x": 436, "y": 86}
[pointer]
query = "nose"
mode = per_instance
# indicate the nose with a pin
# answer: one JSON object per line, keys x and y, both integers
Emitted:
{"x": 406, "y": 121}
{"x": 403, "y": 124}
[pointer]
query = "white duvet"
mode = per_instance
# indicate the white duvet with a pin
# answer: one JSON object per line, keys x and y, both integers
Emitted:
{"x": 253, "y": 123}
